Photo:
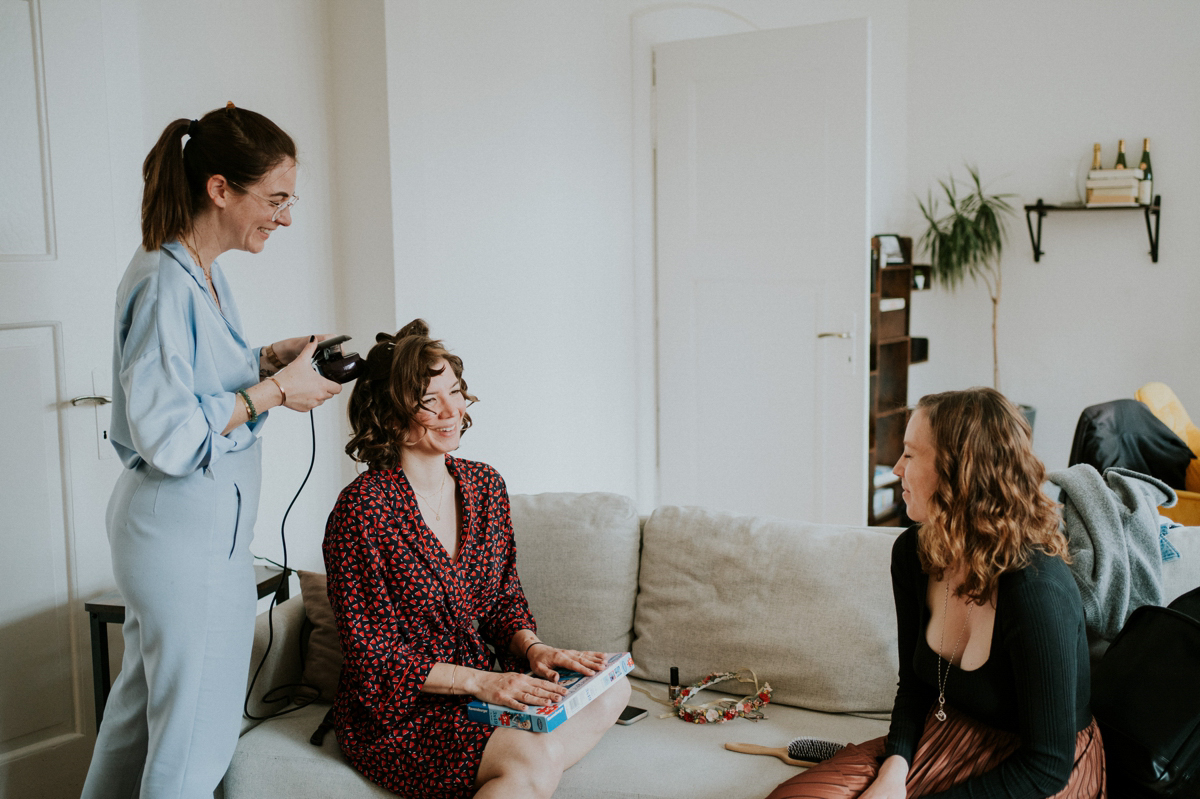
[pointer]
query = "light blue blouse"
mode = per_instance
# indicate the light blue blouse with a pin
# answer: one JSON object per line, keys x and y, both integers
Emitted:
{"x": 178, "y": 361}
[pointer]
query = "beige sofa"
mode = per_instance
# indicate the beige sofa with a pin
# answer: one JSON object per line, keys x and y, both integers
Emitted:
{"x": 807, "y": 606}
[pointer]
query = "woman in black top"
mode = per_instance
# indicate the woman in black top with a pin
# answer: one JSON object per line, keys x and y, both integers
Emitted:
{"x": 994, "y": 673}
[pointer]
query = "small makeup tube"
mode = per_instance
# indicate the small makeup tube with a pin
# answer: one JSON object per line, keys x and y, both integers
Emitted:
{"x": 673, "y": 688}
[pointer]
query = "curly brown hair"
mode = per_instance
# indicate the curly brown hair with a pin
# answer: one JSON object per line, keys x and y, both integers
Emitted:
{"x": 988, "y": 510}
{"x": 385, "y": 401}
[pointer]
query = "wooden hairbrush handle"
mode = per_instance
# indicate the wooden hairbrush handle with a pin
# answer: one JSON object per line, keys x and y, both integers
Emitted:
{"x": 775, "y": 751}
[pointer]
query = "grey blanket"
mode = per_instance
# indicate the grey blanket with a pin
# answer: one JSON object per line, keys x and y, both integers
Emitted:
{"x": 1112, "y": 531}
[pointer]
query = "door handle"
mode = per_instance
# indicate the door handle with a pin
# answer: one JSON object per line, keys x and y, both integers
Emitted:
{"x": 94, "y": 398}
{"x": 833, "y": 335}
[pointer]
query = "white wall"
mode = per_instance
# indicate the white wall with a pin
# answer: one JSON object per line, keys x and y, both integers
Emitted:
{"x": 1013, "y": 88}
{"x": 512, "y": 180}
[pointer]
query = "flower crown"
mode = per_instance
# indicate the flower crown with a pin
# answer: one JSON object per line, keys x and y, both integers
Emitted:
{"x": 722, "y": 710}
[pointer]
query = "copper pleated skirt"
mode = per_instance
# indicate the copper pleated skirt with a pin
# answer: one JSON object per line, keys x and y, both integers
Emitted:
{"x": 949, "y": 752}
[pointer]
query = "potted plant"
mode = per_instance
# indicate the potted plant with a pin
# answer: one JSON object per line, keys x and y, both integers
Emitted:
{"x": 967, "y": 242}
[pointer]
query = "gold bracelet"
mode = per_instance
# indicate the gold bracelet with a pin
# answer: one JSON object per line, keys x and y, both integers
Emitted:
{"x": 453, "y": 676}
{"x": 282, "y": 393}
{"x": 272, "y": 358}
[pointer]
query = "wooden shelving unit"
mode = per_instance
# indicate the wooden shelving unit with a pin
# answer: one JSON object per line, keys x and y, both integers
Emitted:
{"x": 891, "y": 352}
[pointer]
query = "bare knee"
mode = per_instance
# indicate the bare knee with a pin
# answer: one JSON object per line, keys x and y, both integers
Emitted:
{"x": 614, "y": 700}
{"x": 518, "y": 763}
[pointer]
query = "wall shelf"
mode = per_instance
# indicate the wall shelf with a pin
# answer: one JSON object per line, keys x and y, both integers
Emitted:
{"x": 1041, "y": 209}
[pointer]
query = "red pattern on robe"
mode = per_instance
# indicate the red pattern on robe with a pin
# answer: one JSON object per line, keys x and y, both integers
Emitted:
{"x": 403, "y": 605}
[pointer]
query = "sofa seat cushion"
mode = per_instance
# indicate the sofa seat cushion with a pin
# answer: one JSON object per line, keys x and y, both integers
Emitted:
{"x": 670, "y": 758}
{"x": 577, "y": 555}
{"x": 655, "y": 757}
{"x": 276, "y": 759}
{"x": 809, "y": 607}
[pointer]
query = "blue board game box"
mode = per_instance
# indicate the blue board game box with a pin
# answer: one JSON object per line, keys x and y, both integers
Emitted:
{"x": 580, "y": 691}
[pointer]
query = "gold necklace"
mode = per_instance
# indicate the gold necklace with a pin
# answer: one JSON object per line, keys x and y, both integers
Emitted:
{"x": 437, "y": 514}
{"x": 940, "y": 715}
{"x": 193, "y": 252}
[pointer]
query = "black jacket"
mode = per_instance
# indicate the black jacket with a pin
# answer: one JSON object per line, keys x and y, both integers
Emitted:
{"x": 1125, "y": 433}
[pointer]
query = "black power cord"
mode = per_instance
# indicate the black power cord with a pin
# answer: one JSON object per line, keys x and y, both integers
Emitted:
{"x": 283, "y": 693}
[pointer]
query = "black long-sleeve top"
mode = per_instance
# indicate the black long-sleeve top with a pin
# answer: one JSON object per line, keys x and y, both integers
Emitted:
{"x": 1035, "y": 682}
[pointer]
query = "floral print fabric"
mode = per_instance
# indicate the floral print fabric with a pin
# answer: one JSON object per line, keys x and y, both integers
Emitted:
{"x": 403, "y": 605}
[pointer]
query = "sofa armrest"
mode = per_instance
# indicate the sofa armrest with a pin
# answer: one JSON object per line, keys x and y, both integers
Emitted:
{"x": 1187, "y": 510}
{"x": 284, "y": 663}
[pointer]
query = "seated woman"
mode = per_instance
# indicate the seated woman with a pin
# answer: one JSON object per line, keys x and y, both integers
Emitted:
{"x": 994, "y": 674}
{"x": 422, "y": 579}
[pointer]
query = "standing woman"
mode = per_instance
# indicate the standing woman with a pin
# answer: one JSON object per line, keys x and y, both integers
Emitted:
{"x": 190, "y": 397}
{"x": 994, "y": 673}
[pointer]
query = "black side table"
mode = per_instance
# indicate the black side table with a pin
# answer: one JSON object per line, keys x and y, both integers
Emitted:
{"x": 109, "y": 609}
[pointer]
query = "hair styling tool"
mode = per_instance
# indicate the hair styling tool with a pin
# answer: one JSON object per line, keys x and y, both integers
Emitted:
{"x": 800, "y": 752}
{"x": 333, "y": 364}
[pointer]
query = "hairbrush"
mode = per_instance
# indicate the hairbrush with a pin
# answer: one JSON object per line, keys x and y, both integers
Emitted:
{"x": 800, "y": 752}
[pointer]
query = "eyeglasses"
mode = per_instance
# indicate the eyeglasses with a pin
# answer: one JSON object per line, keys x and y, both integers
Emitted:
{"x": 280, "y": 207}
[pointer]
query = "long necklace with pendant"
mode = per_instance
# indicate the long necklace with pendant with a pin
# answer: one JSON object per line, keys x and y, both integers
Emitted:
{"x": 940, "y": 715}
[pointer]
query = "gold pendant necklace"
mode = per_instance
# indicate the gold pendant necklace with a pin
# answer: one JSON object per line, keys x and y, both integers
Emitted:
{"x": 437, "y": 514}
{"x": 940, "y": 715}
{"x": 196, "y": 255}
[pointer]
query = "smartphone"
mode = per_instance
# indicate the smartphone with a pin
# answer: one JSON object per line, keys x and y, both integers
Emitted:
{"x": 631, "y": 714}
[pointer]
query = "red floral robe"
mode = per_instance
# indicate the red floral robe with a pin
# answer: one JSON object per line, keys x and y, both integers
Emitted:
{"x": 403, "y": 605}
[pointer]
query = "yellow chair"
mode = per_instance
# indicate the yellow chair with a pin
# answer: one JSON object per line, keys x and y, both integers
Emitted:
{"x": 1166, "y": 406}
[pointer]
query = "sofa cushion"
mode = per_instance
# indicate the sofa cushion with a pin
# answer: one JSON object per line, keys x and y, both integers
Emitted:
{"x": 276, "y": 759}
{"x": 668, "y": 757}
{"x": 809, "y": 607}
{"x": 577, "y": 555}
{"x": 323, "y": 654}
{"x": 661, "y": 758}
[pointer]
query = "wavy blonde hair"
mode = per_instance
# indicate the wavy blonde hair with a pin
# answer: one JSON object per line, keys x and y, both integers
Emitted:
{"x": 988, "y": 510}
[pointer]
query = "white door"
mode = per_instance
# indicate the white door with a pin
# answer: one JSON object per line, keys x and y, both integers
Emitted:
{"x": 762, "y": 264}
{"x": 58, "y": 274}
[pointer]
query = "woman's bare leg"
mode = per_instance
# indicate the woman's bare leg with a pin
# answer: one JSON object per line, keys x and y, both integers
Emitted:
{"x": 524, "y": 764}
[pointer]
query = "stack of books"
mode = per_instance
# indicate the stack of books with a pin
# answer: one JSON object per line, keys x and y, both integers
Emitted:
{"x": 1113, "y": 188}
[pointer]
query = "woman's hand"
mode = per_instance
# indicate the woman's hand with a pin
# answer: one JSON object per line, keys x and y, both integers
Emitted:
{"x": 889, "y": 782}
{"x": 289, "y": 349}
{"x": 303, "y": 387}
{"x": 510, "y": 689}
{"x": 544, "y": 659}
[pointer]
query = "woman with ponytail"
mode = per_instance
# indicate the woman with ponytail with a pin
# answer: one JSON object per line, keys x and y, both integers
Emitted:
{"x": 994, "y": 672}
{"x": 190, "y": 397}
{"x": 422, "y": 579}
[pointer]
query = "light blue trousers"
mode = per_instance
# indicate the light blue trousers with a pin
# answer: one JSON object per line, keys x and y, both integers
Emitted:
{"x": 181, "y": 559}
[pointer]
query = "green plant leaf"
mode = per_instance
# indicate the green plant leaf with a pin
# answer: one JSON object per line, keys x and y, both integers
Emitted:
{"x": 968, "y": 240}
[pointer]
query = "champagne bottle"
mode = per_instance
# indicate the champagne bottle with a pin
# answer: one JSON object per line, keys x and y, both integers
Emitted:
{"x": 1096, "y": 156}
{"x": 1146, "y": 184}
{"x": 1120, "y": 155}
